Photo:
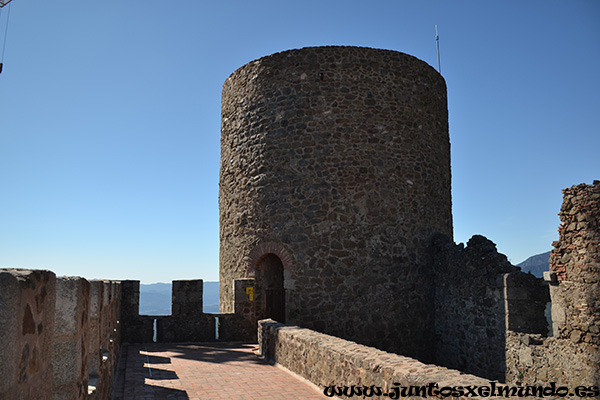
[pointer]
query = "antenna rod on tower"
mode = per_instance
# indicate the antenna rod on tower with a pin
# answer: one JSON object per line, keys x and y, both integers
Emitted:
{"x": 437, "y": 42}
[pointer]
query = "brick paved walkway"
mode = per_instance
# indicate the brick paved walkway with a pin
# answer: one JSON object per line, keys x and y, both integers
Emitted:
{"x": 204, "y": 371}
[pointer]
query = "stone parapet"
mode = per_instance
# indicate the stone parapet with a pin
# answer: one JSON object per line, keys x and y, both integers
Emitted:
{"x": 70, "y": 357}
{"x": 327, "y": 360}
{"x": 59, "y": 336}
{"x": 27, "y": 301}
{"x": 188, "y": 322}
{"x": 172, "y": 329}
{"x": 186, "y": 298}
{"x": 134, "y": 329}
{"x": 104, "y": 337}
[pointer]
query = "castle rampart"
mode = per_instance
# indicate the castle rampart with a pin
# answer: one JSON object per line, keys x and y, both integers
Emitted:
{"x": 70, "y": 355}
{"x": 335, "y": 175}
{"x": 59, "y": 336}
{"x": 330, "y": 361}
{"x": 27, "y": 300}
{"x": 187, "y": 322}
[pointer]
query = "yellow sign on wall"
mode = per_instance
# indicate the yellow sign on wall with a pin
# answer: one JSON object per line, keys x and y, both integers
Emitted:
{"x": 250, "y": 293}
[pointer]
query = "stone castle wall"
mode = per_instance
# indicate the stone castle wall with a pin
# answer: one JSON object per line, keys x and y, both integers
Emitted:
{"x": 330, "y": 361}
{"x": 337, "y": 160}
{"x": 27, "y": 300}
{"x": 572, "y": 355}
{"x": 187, "y": 322}
{"x": 59, "y": 336}
{"x": 70, "y": 356}
{"x": 479, "y": 296}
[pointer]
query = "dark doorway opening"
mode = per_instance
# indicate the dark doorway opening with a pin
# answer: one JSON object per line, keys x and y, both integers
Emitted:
{"x": 271, "y": 273}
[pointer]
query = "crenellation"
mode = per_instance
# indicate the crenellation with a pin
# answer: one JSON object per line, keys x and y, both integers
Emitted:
{"x": 187, "y": 298}
{"x": 187, "y": 322}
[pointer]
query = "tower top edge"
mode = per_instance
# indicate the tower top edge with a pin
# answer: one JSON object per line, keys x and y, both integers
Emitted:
{"x": 330, "y": 48}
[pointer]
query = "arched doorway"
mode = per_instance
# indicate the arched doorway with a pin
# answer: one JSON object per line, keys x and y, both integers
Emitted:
{"x": 270, "y": 270}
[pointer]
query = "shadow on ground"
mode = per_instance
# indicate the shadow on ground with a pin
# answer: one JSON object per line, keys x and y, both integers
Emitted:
{"x": 142, "y": 375}
{"x": 219, "y": 353}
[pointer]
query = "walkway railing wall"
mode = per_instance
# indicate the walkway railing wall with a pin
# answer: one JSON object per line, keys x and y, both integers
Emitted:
{"x": 330, "y": 361}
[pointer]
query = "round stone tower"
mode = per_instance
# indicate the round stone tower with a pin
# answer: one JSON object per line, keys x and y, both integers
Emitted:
{"x": 335, "y": 174}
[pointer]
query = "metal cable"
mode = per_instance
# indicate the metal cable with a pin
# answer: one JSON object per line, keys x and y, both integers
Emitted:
{"x": 5, "y": 33}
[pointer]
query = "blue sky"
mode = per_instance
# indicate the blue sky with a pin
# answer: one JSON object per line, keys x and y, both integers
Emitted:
{"x": 110, "y": 118}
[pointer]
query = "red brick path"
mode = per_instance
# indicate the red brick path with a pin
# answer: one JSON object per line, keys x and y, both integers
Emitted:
{"x": 204, "y": 371}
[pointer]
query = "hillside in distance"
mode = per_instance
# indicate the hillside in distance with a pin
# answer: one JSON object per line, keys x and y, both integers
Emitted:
{"x": 155, "y": 298}
{"x": 536, "y": 265}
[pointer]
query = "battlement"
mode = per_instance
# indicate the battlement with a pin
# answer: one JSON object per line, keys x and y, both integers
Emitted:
{"x": 60, "y": 336}
{"x": 187, "y": 322}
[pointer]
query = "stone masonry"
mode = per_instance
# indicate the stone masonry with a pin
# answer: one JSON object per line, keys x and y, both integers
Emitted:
{"x": 576, "y": 261}
{"x": 59, "y": 336}
{"x": 187, "y": 322}
{"x": 330, "y": 361}
{"x": 572, "y": 355}
{"x": 479, "y": 295}
{"x": 104, "y": 337}
{"x": 27, "y": 301}
{"x": 70, "y": 356}
{"x": 336, "y": 159}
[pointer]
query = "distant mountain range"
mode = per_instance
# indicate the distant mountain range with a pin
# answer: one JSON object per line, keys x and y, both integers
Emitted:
{"x": 155, "y": 298}
{"x": 536, "y": 265}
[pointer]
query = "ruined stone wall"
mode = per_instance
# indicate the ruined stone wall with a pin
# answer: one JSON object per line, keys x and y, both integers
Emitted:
{"x": 526, "y": 298}
{"x": 469, "y": 307}
{"x": 337, "y": 161}
{"x": 572, "y": 356}
{"x": 479, "y": 295}
{"x": 576, "y": 261}
{"x": 327, "y": 360}
{"x": 27, "y": 300}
